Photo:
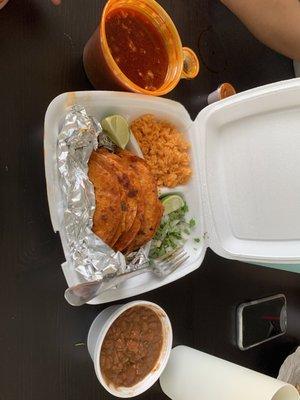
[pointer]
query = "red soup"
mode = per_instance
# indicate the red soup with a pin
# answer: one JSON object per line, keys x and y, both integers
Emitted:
{"x": 137, "y": 48}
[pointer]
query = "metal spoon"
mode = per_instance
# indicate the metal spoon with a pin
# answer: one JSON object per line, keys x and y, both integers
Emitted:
{"x": 84, "y": 292}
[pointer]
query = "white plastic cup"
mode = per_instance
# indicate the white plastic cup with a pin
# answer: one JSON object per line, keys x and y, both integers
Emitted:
{"x": 192, "y": 374}
{"x": 98, "y": 331}
{"x": 223, "y": 91}
{"x": 214, "y": 96}
{"x": 3, "y": 3}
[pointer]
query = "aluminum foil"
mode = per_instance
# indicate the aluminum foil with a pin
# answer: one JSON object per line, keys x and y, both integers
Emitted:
{"x": 88, "y": 254}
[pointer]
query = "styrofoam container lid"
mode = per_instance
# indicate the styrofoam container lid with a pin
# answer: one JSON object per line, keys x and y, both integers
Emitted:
{"x": 245, "y": 189}
{"x": 249, "y": 165}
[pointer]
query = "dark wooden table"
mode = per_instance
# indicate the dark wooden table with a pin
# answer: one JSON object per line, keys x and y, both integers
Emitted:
{"x": 40, "y": 334}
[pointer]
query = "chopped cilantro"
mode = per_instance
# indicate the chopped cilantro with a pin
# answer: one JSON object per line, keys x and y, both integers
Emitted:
{"x": 172, "y": 233}
{"x": 192, "y": 223}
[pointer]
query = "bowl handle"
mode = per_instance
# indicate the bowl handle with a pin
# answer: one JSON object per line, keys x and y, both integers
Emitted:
{"x": 191, "y": 65}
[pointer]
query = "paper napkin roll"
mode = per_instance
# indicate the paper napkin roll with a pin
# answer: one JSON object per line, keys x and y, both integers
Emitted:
{"x": 290, "y": 369}
{"x": 193, "y": 375}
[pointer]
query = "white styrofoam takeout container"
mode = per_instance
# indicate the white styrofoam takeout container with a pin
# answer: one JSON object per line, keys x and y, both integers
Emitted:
{"x": 245, "y": 189}
{"x": 98, "y": 331}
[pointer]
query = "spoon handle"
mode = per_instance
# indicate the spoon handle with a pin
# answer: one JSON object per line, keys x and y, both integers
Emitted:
{"x": 84, "y": 292}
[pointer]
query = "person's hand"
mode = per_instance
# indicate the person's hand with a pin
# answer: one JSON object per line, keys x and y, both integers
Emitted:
{"x": 56, "y": 2}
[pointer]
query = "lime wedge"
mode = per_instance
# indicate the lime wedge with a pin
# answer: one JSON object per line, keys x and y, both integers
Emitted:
{"x": 172, "y": 203}
{"x": 117, "y": 129}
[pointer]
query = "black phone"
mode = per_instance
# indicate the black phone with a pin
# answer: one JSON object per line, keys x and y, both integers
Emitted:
{"x": 261, "y": 320}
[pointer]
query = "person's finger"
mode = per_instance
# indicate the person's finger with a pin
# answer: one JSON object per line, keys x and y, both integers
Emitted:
{"x": 56, "y": 2}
